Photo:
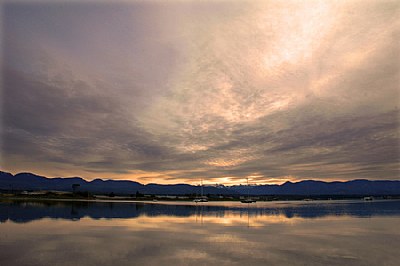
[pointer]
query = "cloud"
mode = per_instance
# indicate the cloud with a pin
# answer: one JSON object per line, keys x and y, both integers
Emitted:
{"x": 223, "y": 91}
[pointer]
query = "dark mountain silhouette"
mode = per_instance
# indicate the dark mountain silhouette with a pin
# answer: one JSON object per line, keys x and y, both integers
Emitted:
{"x": 312, "y": 187}
{"x": 29, "y": 181}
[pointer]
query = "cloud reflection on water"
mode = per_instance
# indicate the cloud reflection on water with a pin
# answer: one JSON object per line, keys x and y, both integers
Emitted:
{"x": 26, "y": 211}
{"x": 203, "y": 239}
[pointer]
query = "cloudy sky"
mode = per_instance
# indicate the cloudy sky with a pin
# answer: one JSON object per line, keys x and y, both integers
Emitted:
{"x": 175, "y": 91}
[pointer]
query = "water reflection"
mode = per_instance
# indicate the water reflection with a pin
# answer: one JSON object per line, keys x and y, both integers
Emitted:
{"x": 26, "y": 211}
{"x": 296, "y": 233}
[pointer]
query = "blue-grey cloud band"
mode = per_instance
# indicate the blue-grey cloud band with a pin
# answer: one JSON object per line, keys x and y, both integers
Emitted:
{"x": 223, "y": 90}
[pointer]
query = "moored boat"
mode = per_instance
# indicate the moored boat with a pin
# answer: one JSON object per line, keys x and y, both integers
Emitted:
{"x": 201, "y": 198}
{"x": 248, "y": 199}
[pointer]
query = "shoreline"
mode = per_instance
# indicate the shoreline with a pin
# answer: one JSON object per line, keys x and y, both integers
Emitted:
{"x": 188, "y": 202}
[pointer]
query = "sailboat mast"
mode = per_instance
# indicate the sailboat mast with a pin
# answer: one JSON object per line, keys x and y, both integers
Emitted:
{"x": 248, "y": 188}
{"x": 248, "y": 199}
{"x": 201, "y": 182}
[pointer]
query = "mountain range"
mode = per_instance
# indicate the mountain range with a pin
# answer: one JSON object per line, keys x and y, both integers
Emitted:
{"x": 32, "y": 182}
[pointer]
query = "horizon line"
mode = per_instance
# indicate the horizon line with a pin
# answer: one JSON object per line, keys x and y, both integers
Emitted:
{"x": 210, "y": 184}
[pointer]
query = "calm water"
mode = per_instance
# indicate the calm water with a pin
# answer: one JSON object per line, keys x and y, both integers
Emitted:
{"x": 270, "y": 233}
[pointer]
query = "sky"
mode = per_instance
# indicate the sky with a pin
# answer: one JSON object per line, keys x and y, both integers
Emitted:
{"x": 179, "y": 91}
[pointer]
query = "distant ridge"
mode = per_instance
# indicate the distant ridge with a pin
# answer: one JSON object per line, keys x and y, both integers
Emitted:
{"x": 29, "y": 181}
{"x": 312, "y": 187}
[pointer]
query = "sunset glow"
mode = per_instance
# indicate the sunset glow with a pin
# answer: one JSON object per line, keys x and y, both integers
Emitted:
{"x": 178, "y": 91}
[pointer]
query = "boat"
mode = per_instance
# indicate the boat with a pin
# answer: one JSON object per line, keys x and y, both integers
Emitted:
{"x": 201, "y": 198}
{"x": 248, "y": 199}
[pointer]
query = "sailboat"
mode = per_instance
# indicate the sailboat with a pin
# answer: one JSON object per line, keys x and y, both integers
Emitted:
{"x": 202, "y": 198}
{"x": 248, "y": 199}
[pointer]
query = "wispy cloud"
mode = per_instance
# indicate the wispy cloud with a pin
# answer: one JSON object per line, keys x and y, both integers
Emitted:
{"x": 171, "y": 92}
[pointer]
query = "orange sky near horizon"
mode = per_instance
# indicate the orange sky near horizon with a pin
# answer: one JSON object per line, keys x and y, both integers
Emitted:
{"x": 179, "y": 91}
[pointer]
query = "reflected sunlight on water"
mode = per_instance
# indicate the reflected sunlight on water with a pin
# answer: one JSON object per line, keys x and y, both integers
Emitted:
{"x": 152, "y": 234}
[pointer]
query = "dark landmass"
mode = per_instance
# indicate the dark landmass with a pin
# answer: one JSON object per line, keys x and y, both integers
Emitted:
{"x": 312, "y": 187}
{"x": 78, "y": 187}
